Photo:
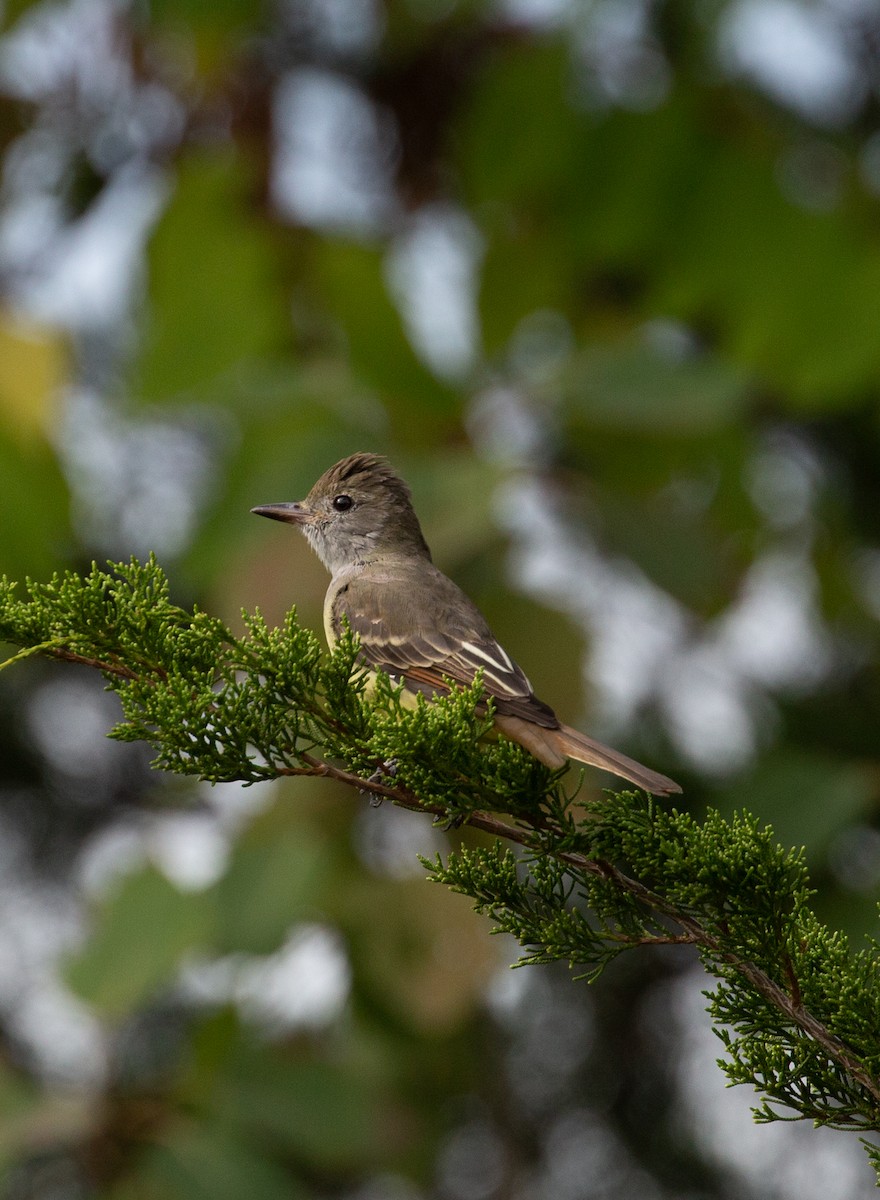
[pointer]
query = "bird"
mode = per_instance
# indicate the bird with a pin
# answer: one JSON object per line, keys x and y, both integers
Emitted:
{"x": 414, "y": 623}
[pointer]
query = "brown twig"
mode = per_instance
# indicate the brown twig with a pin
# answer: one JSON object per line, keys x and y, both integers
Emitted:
{"x": 109, "y": 668}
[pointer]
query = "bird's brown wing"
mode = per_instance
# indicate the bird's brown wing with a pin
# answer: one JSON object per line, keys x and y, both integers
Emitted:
{"x": 426, "y": 630}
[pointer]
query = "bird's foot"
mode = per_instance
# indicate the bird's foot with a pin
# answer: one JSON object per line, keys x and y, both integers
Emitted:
{"x": 453, "y": 821}
{"x": 385, "y": 770}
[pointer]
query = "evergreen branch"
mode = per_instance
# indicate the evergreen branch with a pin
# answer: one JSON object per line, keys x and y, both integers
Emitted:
{"x": 789, "y": 1004}
{"x": 794, "y": 1008}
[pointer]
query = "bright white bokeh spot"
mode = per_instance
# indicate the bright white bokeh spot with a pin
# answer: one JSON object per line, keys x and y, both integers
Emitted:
{"x": 504, "y": 429}
{"x": 432, "y": 273}
{"x": 774, "y": 633}
{"x": 66, "y": 1039}
{"x": 234, "y": 803}
{"x": 137, "y": 482}
{"x": 638, "y": 629}
{"x": 86, "y": 281}
{"x": 40, "y": 924}
{"x": 634, "y": 629}
{"x": 538, "y": 14}
{"x": 471, "y": 1162}
{"x": 189, "y": 848}
{"x": 783, "y": 478}
{"x": 68, "y": 719}
{"x": 389, "y": 841}
{"x": 709, "y": 712}
{"x": 336, "y": 28}
{"x": 80, "y": 271}
{"x": 304, "y": 984}
{"x": 115, "y": 851}
{"x": 53, "y": 44}
{"x": 334, "y": 154}
{"x": 623, "y": 63}
{"x": 797, "y": 53}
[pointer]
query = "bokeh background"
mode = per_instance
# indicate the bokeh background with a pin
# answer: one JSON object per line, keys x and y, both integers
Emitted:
{"x": 602, "y": 277}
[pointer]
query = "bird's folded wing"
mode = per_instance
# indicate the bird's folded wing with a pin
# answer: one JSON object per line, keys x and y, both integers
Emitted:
{"x": 430, "y": 632}
{"x": 425, "y": 630}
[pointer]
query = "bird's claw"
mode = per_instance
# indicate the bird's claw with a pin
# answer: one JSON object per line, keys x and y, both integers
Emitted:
{"x": 385, "y": 770}
{"x": 453, "y": 821}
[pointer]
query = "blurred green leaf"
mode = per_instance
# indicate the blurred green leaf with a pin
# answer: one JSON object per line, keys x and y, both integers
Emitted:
{"x": 326, "y": 1114}
{"x": 221, "y": 14}
{"x": 805, "y": 796}
{"x": 679, "y": 506}
{"x": 521, "y": 101}
{"x": 216, "y": 295}
{"x": 682, "y": 210}
{"x": 425, "y": 966}
{"x": 351, "y": 278}
{"x": 205, "y": 35}
{"x": 140, "y": 935}
{"x": 13, "y": 9}
{"x": 208, "y": 1163}
{"x": 797, "y": 291}
{"x": 454, "y": 493}
{"x": 524, "y": 271}
{"x": 274, "y": 879}
{"x": 34, "y": 510}
{"x": 34, "y": 503}
{"x": 519, "y": 135}
{"x": 635, "y": 388}
{"x": 621, "y": 204}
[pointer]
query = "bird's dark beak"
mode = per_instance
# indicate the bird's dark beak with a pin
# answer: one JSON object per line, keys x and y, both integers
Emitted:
{"x": 294, "y": 513}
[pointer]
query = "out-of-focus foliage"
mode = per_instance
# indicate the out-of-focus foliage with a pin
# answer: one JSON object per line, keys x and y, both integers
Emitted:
{"x": 602, "y": 280}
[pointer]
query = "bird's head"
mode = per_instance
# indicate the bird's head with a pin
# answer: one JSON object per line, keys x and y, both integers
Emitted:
{"x": 358, "y": 508}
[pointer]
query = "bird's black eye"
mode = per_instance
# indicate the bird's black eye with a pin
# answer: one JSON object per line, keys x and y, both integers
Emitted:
{"x": 342, "y": 503}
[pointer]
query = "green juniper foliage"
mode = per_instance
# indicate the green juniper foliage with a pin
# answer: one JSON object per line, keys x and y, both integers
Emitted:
{"x": 795, "y": 1009}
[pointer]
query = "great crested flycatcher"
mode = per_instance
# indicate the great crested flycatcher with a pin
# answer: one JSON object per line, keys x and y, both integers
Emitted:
{"x": 417, "y": 625}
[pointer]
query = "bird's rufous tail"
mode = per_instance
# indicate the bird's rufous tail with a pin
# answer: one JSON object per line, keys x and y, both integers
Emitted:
{"x": 554, "y": 746}
{"x": 577, "y": 745}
